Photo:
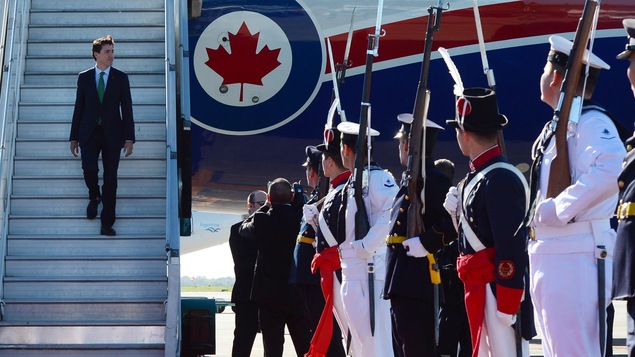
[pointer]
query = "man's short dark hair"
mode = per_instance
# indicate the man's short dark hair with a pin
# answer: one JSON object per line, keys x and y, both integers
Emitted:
{"x": 100, "y": 42}
{"x": 280, "y": 192}
{"x": 335, "y": 156}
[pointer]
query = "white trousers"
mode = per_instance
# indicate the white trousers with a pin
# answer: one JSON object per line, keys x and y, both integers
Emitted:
{"x": 340, "y": 315}
{"x": 356, "y": 305}
{"x": 497, "y": 340}
{"x": 564, "y": 289}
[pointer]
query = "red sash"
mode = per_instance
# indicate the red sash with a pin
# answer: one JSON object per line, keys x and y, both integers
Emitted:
{"x": 328, "y": 261}
{"x": 476, "y": 271}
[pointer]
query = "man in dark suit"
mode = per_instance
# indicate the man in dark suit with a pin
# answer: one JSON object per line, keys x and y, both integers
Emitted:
{"x": 274, "y": 230}
{"x": 102, "y": 122}
{"x": 244, "y": 252}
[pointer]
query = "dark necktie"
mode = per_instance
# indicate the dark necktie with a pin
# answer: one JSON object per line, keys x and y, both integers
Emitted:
{"x": 101, "y": 88}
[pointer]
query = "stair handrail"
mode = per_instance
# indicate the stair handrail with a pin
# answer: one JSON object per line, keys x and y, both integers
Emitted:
{"x": 12, "y": 66}
{"x": 172, "y": 243}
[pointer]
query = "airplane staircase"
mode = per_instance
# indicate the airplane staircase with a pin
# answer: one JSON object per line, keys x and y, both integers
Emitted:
{"x": 66, "y": 289}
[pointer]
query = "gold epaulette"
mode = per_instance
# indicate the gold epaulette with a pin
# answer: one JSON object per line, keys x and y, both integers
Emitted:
{"x": 625, "y": 210}
{"x": 395, "y": 239}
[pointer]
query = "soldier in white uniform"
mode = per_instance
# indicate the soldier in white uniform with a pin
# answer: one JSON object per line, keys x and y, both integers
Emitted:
{"x": 357, "y": 254}
{"x": 567, "y": 229}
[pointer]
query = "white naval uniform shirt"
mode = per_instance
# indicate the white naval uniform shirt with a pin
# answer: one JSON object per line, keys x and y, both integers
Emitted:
{"x": 596, "y": 153}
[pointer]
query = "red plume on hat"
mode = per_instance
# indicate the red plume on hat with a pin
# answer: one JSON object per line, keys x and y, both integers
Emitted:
{"x": 477, "y": 110}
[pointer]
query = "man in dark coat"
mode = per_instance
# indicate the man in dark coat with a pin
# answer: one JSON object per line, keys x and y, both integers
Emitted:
{"x": 102, "y": 122}
{"x": 409, "y": 286}
{"x": 244, "y": 252}
{"x": 624, "y": 260}
{"x": 274, "y": 230}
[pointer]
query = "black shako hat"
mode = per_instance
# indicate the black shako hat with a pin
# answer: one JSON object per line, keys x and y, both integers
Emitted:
{"x": 313, "y": 157}
{"x": 629, "y": 26}
{"x": 331, "y": 141}
{"x": 477, "y": 110}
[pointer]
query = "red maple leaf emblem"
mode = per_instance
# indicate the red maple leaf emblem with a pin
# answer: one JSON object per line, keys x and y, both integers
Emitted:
{"x": 243, "y": 65}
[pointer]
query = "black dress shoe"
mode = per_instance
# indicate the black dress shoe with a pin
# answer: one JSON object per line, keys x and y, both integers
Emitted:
{"x": 91, "y": 210}
{"x": 108, "y": 231}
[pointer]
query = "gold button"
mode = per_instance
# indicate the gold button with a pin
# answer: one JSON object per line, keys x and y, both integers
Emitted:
{"x": 629, "y": 147}
{"x": 471, "y": 219}
{"x": 621, "y": 184}
{"x": 398, "y": 223}
{"x": 395, "y": 234}
{"x": 406, "y": 197}
{"x": 624, "y": 164}
{"x": 401, "y": 210}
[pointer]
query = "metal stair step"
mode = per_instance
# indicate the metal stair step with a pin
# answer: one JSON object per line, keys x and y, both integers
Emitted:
{"x": 60, "y": 147}
{"x": 118, "y": 288}
{"x": 64, "y": 111}
{"x": 69, "y": 78}
{"x": 60, "y": 130}
{"x": 68, "y": 245}
{"x": 89, "y": 33}
{"x": 57, "y": 94}
{"x": 76, "y": 206}
{"x": 64, "y": 186}
{"x": 66, "y": 335}
{"x": 71, "y": 5}
{"x": 89, "y": 17}
{"x": 95, "y": 311}
{"x": 87, "y": 267}
{"x": 53, "y": 166}
{"x": 125, "y": 225}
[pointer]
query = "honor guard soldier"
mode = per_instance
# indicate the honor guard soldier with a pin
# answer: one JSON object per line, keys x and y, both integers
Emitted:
{"x": 568, "y": 230}
{"x": 363, "y": 263}
{"x": 328, "y": 336}
{"x": 624, "y": 261}
{"x": 489, "y": 209}
{"x": 308, "y": 284}
{"x": 409, "y": 285}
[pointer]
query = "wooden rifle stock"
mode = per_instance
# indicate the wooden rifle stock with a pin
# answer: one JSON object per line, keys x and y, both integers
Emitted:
{"x": 416, "y": 142}
{"x": 560, "y": 172}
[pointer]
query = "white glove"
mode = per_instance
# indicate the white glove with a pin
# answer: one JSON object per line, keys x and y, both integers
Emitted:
{"x": 311, "y": 215}
{"x": 360, "y": 251}
{"x": 546, "y": 214}
{"x": 451, "y": 203}
{"x": 414, "y": 248}
{"x": 506, "y": 319}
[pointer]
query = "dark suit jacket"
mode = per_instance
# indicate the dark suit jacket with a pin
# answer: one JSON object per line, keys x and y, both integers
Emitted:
{"x": 115, "y": 112}
{"x": 244, "y": 252}
{"x": 275, "y": 232}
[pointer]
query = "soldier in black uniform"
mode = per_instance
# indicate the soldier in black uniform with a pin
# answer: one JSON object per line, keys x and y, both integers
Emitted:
{"x": 244, "y": 252}
{"x": 308, "y": 284}
{"x": 624, "y": 259}
{"x": 326, "y": 261}
{"x": 408, "y": 282}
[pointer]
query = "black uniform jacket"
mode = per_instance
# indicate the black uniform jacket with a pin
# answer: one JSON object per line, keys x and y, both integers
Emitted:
{"x": 274, "y": 231}
{"x": 115, "y": 111}
{"x": 244, "y": 251}
{"x": 624, "y": 256}
{"x": 303, "y": 254}
{"x": 409, "y": 276}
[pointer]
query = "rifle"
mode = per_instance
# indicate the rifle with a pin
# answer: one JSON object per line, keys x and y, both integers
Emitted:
{"x": 560, "y": 173}
{"x": 415, "y": 169}
{"x": 338, "y": 73}
{"x": 360, "y": 181}
{"x": 489, "y": 72}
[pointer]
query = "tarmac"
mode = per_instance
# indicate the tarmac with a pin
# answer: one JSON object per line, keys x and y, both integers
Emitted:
{"x": 224, "y": 322}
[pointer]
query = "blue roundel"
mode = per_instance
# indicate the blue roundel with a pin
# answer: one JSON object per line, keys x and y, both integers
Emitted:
{"x": 254, "y": 65}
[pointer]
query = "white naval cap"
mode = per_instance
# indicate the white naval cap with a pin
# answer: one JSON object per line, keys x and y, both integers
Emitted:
{"x": 629, "y": 26}
{"x": 561, "y": 48}
{"x": 351, "y": 128}
{"x": 406, "y": 120}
